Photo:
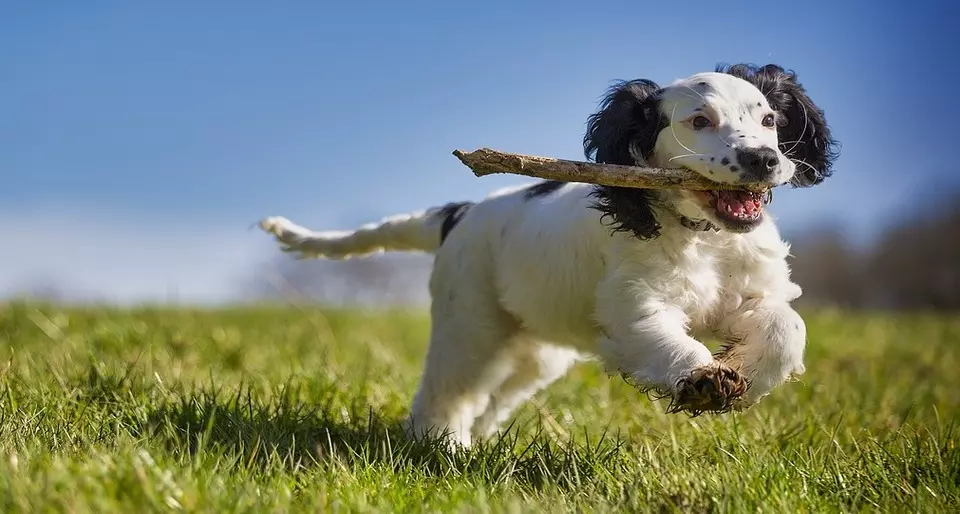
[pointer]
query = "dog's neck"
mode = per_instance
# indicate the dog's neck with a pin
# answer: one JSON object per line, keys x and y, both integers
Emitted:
{"x": 640, "y": 211}
{"x": 667, "y": 206}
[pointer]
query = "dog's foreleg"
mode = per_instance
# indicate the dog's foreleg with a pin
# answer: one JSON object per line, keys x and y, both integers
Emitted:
{"x": 766, "y": 340}
{"x": 653, "y": 349}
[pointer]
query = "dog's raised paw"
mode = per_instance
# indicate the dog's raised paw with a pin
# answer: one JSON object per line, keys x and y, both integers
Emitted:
{"x": 716, "y": 388}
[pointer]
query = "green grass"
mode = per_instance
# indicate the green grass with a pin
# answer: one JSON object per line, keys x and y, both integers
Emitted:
{"x": 282, "y": 409}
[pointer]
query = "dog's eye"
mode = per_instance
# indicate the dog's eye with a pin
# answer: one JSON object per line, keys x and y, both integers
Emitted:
{"x": 701, "y": 122}
{"x": 769, "y": 121}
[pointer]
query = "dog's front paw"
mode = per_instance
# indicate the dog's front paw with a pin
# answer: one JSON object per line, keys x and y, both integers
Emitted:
{"x": 714, "y": 388}
{"x": 764, "y": 370}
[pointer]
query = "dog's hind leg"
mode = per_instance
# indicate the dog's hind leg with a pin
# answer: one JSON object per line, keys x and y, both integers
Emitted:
{"x": 468, "y": 357}
{"x": 535, "y": 366}
{"x": 461, "y": 371}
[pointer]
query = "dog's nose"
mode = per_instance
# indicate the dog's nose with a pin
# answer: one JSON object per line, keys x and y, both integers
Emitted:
{"x": 759, "y": 163}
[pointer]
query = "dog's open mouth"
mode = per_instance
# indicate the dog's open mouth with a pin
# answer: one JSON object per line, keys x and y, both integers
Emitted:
{"x": 738, "y": 210}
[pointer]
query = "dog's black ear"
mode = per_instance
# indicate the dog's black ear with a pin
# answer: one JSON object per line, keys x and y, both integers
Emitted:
{"x": 624, "y": 131}
{"x": 803, "y": 131}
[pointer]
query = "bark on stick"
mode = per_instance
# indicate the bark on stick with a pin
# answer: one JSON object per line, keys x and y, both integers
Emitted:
{"x": 487, "y": 162}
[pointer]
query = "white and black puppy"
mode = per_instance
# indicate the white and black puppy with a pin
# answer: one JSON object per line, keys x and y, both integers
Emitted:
{"x": 535, "y": 278}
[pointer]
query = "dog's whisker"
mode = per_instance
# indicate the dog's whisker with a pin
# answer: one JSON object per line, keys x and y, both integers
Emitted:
{"x": 801, "y": 161}
{"x": 785, "y": 143}
{"x": 682, "y": 156}
{"x": 673, "y": 131}
{"x": 805, "y": 163}
{"x": 802, "y": 132}
{"x": 696, "y": 92}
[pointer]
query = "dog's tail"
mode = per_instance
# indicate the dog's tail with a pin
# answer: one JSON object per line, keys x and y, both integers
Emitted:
{"x": 422, "y": 231}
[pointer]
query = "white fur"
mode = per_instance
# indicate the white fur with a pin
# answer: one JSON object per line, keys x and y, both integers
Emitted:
{"x": 524, "y": 288}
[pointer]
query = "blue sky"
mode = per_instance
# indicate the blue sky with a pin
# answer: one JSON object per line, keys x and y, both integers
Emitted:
{"x": 138, "y": 142}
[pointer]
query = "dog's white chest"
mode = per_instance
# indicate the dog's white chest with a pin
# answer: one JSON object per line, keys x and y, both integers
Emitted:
{"x": 697, "y": 282}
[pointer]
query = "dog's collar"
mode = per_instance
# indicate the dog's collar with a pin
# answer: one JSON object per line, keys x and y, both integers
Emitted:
{"x": 701, "y": 225}
{"x": 698, "y": 225}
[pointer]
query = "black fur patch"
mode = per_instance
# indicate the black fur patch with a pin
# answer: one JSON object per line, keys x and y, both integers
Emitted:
{"x": 627, "y": 123}
{"x": 542, "y": 189}
{"x": 451, "y": 214}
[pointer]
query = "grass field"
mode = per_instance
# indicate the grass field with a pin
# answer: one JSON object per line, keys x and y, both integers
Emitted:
{"x": 280, "y": 409}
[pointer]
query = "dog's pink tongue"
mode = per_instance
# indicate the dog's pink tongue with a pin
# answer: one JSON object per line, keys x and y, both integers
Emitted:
{"x": 733, "y": 201}
{"x": 738, "y": 202}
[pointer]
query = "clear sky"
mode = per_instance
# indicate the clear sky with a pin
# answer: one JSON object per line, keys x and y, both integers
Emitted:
{"x": 139, "y": 142}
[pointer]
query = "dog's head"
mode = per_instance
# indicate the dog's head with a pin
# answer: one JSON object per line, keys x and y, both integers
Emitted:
{"x": 741, "y": 124}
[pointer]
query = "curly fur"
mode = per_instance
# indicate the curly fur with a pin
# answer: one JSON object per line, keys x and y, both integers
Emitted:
{"x": 625, "y": 131}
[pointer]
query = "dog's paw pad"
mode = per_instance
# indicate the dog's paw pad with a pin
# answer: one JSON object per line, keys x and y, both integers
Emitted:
{"x": 715, "y": 388}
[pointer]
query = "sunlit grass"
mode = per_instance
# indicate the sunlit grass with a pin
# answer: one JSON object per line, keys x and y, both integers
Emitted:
{"x": 276, "y": 409}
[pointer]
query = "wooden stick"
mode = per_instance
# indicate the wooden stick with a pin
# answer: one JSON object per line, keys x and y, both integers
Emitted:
{"x": 487, "y": 162}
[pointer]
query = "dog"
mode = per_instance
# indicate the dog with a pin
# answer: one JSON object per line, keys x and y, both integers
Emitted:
{"x": 533, "y": 279}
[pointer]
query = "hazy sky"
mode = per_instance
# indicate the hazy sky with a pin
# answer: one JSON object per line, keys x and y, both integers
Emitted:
{"x": 139, "y": 142}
